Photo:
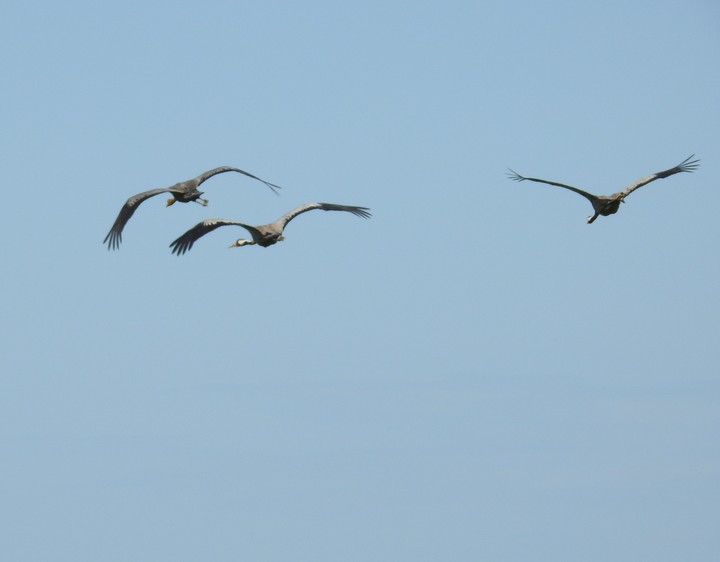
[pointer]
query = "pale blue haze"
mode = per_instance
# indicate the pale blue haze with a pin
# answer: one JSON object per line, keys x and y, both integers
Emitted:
{"x": 474, "y": 374}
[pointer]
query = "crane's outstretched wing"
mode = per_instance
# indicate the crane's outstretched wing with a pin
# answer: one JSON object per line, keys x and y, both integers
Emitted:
{"x": 222, "y": 169}
{"x": 185, "y": 241}
{"x": 363, "y": 212}
{"x": 114, "y": 237}
{"x": 513, "y": 175}
{"x": 686, "y": 165}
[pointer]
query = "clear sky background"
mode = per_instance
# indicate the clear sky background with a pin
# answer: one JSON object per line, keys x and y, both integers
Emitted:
{"x": 473, "y": 374}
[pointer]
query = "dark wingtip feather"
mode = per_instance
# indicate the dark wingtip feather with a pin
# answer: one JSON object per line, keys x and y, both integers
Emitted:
{"x": 513, "y": 175}
{"x": 363, "y": 212}
{"x": 113, "y": 240}
{"x": 273, "y": 187}
{"x": 689, "y": 165}
{"x": 179, "y": 247}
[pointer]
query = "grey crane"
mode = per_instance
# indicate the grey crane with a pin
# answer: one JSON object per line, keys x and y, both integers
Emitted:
{"x": 183, "y": 192}
{"x": 265, "y": 235}
{"x": 610, "y": 204}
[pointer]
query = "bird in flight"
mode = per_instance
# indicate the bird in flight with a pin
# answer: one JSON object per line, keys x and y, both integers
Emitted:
{"x": 183, "y": 192}
{"x": 609, "y": 204}
{"x": 265, "y": 235}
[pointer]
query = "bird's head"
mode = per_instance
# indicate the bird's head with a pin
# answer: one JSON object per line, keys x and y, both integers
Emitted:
{"x": 241, "y": 242}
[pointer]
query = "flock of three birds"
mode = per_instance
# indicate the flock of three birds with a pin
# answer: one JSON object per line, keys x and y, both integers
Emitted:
{"x": 268, "y": 234}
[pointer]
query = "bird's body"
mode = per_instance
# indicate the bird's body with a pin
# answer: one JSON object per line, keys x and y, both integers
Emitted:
{"x": 264, "y": 235}
{"x": 610, "y": 204}
{"x": 182, "y": 192}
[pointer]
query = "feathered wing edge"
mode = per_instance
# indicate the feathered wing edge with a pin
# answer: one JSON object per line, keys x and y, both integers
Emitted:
{"x": 186, "y": 240}
{"x": 513, "y": 175}
{"x": 222, "y": 169}
{"x": 362, "y": 212}
{"x": 114, "y": 237}
{"x": 688, "y": 165}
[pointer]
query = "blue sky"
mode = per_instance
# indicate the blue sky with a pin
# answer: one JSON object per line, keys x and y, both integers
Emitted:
{"x": 473, "y": 374}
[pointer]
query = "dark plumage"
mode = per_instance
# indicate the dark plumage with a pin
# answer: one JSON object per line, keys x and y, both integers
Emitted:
{"x": 265, "y": 235}
{"x": 182, "y": 192}
{"x": 610, "y": 204}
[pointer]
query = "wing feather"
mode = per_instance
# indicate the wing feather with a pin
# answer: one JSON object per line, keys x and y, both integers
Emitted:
{"x": 114, "y": 237}
{"x": 513, "y": 175}
{"x": 222, "y": 169}
{"x": 687, "y": 165}
{"x": 363, "y": 212}
{"x": 186, "y": 240}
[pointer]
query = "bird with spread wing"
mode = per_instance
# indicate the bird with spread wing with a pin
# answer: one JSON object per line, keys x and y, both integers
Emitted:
{"x": 265, "y": 235}
{"x": 610, "y": 204}
{"x": 182, "y": 192}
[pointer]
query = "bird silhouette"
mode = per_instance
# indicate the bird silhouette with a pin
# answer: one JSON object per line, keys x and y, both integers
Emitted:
{"x": 264, "y": 235}
{"x": 182, "y": 192}
{"x": 610, "y": 204}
